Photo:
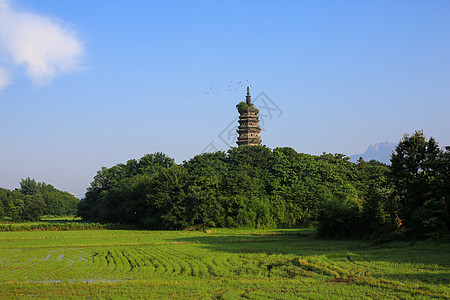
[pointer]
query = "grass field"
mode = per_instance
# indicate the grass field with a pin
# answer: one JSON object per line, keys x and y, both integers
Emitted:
{"x": 217, "y": 264}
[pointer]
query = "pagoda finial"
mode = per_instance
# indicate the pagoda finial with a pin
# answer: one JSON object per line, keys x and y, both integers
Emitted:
{"x": 248, "y": 98}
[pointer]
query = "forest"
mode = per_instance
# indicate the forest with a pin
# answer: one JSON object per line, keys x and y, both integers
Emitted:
{"x": 257, "y": 187}
{"x": 34, "y": 199}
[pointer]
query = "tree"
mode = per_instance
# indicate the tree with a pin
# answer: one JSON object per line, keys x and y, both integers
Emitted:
{"x": 105, "y": 192}
{"x": 33, "y": 207}
{"x": 169, "y": 196}
{"x": 418, "y": 170}
{"x": 28, "y": 186}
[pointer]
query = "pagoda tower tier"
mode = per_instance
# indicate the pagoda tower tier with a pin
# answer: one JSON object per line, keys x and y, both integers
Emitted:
{"x": 248, "y": 128}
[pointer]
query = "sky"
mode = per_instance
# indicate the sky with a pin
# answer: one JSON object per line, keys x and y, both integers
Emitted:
{"x": 91, "y": 84}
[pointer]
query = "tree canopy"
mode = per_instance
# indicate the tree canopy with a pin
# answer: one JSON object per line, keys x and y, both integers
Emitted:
{"x": 254, "y": 186}
{"x": 248, "y": 186}
{"x": 421, "y": 178}
{"x": 34, "y": 199}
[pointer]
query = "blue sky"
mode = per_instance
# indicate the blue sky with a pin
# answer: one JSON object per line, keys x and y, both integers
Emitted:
{"x": 86, "y": 84}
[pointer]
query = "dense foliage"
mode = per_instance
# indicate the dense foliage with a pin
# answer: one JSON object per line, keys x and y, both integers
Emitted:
{"x": 411, "y": 198}
{"x": 254, "y": 186}
{"x": 421, "y": 177}
{"x": 371, "y": 212}
{"x": 250, "y": 186}
{"x": 34, "y": 199}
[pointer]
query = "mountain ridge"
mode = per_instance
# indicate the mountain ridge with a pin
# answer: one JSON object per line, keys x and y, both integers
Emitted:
{"x": 377, "y": 151}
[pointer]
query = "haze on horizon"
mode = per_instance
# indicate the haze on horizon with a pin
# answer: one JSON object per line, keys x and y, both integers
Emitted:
{"x": 89, "y": 84}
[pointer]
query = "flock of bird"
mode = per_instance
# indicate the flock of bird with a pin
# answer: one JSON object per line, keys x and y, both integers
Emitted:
{"x": 230, "y": 87}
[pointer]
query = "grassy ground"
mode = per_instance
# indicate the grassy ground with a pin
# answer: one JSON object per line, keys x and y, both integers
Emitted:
{"x": 217, "y": 264}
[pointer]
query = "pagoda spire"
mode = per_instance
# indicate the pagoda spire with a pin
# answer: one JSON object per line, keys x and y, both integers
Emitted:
{"x": 248, "y": 98}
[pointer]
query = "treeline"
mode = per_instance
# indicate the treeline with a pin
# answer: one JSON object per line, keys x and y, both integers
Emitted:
{"x": 413, "y": 202}
{"x": 250, "y": 186}
{"x": 254, "y": 186}
{"x": 34, "y": 199}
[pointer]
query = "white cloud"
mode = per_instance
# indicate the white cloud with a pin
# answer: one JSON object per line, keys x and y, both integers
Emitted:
{"x": 4, "y": 78}
{"x": 39, "y": 46}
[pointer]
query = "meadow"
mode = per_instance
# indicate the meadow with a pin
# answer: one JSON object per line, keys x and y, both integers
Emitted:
{"x": 218, "y": 264}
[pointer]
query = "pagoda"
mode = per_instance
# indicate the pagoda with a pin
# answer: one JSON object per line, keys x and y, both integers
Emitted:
{"x": 248, "y": 129}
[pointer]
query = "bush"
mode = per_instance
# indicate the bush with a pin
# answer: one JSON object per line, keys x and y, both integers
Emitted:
{"x": 340, "y": 218}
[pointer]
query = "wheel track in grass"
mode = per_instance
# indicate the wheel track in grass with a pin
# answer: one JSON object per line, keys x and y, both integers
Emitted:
{"x": 44, "y": 266}
{"x": 221, "y": 262}
{"x": 5, "y": 268}
{"x": 131, "y": 262}
{"x": 211, "y": 265}
{"x": 167, "y": 265}
{"x": 158, "y": 265}
{"x": 109, "y": 264}
{"x": 111, "y": 261}
{"x": 185, "y": 267}
{"x": 93, "y": 258}
{"x": 121, "y": 264}
{"x": 159, "y": 260}
{"x": 22, "y": 269}
{"x": 199, "y": 265}
{"x": 83, "y": 261}
{"x": 172, "y": 263}
{"x": 138, "y": 257}
{"x": 99, "y": 263}
{"x": 167, "y": 261}
{"x": 60, "y": 269}
{"x": 178, "y": 262}
{"x": 147, "y": 261}
{"x": 67, "y": 259}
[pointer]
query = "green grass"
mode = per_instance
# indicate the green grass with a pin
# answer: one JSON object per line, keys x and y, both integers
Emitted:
{"x": 220, "y": 264}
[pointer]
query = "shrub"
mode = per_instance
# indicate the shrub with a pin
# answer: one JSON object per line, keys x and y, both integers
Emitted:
{"x": 340, "y": 218}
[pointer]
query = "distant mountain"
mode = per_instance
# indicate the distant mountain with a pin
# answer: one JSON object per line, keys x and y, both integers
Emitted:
{"x": 379, "y": 151}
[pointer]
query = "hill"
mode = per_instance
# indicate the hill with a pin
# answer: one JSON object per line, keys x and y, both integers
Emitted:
{"x": 378, "y": 151}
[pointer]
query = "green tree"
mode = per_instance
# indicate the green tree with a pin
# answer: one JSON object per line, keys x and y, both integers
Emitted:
{"x": 418, "y": 172}
{"x": 111, "y": 186}
{"x": 12, "y": 203}
{"x": 296, "y": 179}
{"x": 379, "y": 205}
{"x": 33, "y": 207}
{"x": 169, "y": 196}
{"x": 28, "y": 186}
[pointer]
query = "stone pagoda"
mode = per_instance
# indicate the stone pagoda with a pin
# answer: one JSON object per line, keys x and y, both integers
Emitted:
{"x": 248, "y": 129}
